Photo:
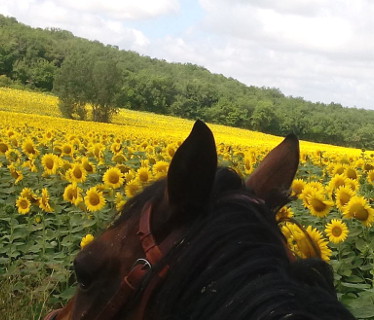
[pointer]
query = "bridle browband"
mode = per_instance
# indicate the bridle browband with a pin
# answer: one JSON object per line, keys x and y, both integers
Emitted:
{"x": 133, "y": 280}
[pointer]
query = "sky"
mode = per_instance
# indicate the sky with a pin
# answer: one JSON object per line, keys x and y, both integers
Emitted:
{"x": 321, "y": 50}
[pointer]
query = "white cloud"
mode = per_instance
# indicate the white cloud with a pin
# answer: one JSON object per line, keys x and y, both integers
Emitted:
{"x": 318, "y": 49}
{"x": 124, "y": 9}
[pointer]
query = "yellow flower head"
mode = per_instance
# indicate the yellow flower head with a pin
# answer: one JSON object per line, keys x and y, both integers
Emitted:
{"x": 13, "y": 155}
{"x": 86, "y": 240}
{"x": 87, "y": 165}
{"x": 339, "y": 169}
{"x": 15, "y": 173}
{"x": 297, "y": 187}
{"x": 119, "y": 201}
{"x": 169, "y": 151}
{"x": 283, "y": 214}
{"x": 119, "y": 158}
{"x": 337, "y": 231}
{"x": 113, "y": 178}
{"x": 342, "y": 196}
{"x": 358, "y": 208}
{"x": 94, "y": 199}
{"x": 44, "y": 201}
{"x": 337, "y": 181}
{"x": 371, "y": 176}
{"x": 23, "y": 205}
{"x": 29, "y": 194}
{"x": 76, "y": 173}
{"x": 28, "y": 148}
{"x": 307, "y": 243}
{"x": 132, "y": 188}
{"x": 116, "y": 147}
{"x": 144, "y": 175}
{"x": 30, "y": 164}
{"x": 73, "y": 194}
{"x": 160, "y": 169}
{"x": 50, "y": 163}
{"x": 3, "y": 147}
{"x": 351, "y": 173}
{"x": 318, "y": 205}
{"x": 67, "y": 149}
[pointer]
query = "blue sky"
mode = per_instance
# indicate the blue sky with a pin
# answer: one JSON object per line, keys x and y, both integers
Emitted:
{"x": 320, "y": 50}
{"x": 172, "y": 24}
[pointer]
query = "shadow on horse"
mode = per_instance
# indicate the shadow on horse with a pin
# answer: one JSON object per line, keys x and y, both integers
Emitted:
{"x": 204, "y": 244}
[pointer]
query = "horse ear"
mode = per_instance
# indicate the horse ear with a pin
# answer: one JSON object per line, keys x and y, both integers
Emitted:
{"x": 192, "y": 170}
{"x": 272, "y": 179}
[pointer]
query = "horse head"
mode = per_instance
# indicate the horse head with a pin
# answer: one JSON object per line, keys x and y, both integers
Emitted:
{"x": 121, "y": 271}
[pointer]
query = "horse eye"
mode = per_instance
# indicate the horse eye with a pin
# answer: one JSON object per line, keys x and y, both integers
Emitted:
{"x": 84, "y": 278}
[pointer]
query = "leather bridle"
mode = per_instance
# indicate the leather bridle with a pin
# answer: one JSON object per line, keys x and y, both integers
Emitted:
{"x": 153, "y": 253}
{"x": 133, "y": 280}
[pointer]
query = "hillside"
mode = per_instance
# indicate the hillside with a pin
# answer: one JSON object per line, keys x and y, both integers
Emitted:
{"x": 35, "y": 58}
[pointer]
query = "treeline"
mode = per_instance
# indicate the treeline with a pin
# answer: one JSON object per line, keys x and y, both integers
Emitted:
{"x": 81, "y": 71}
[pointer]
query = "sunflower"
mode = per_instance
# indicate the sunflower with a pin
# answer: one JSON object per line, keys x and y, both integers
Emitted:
{"x": 297, "y": 187}
{"x": 116, "y": 147}
{"x": 13, "y": 155}
{"x": 353, "y": 184}
{"x": 119, "y": 201}
{"x": 67, "y": 149}
{"x": 23, "y": 204}
{"x": 283, "y": 214}
{"x": 76, "y": 173}
{"x": 337, "y": 231}
{"x": 86, "y": 240}
{"x": 87, "y": 165}
{"x": 113, "y": 178}
{"x": 337, "y": 181}
{"x": 351, "y": 173}
{"x": 169, "y": 151}
{"x": 144, "y": 175}
{"x": 358, "y": 208}
{"x": 342, "y": 196}
{"x": 129, "y": 175}
{"x": 44, "y": 201}
{"x": 320, "y": 242}
{"x": 94, "y": 199}
{"x": 318, "y": 205}
{"x": 50, "y": 163}
{"x": 119, "y": 158}
{"x": 29, "y": 194}
{"x": 30, "y": 164}
{"x": 306, "y": 243}
{"x": 73, "y": 194}
{"x": 368, "y": 166}
{"x": 3, "y": 147}
{"x": 28, "y": 148}
{"x": 160, "y": 169}
{"x": 339, "y": 169}
{"x": 97, "y": 150}
{"x": 15, "y": 173}
{"x": 371, "y": 176}
{"x": 132, "y": 188}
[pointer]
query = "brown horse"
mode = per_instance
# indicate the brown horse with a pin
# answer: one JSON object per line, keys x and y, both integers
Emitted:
{"x": 203, "y": 244}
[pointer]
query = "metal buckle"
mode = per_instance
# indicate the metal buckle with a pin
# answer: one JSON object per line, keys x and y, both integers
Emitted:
{"x": 144, "y": 262}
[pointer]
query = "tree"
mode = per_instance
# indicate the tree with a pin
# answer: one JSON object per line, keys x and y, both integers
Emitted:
{"x": 263, "y": 117}
{"x": 88, "y": 77}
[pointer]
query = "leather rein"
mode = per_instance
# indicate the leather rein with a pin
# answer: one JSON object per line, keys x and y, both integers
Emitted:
{"x": 142, "y": 267}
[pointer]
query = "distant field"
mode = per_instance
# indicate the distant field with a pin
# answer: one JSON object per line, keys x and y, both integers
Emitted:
{"x": 50, "y": 167}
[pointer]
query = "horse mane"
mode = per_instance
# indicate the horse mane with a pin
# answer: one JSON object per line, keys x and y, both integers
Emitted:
{"x": 232, "y": 264}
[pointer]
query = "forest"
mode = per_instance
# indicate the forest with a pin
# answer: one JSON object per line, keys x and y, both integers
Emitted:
{"x": 82, "y": 72}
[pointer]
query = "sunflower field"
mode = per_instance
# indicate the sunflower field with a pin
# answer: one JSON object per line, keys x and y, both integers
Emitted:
{"x": 63, "y": 181}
